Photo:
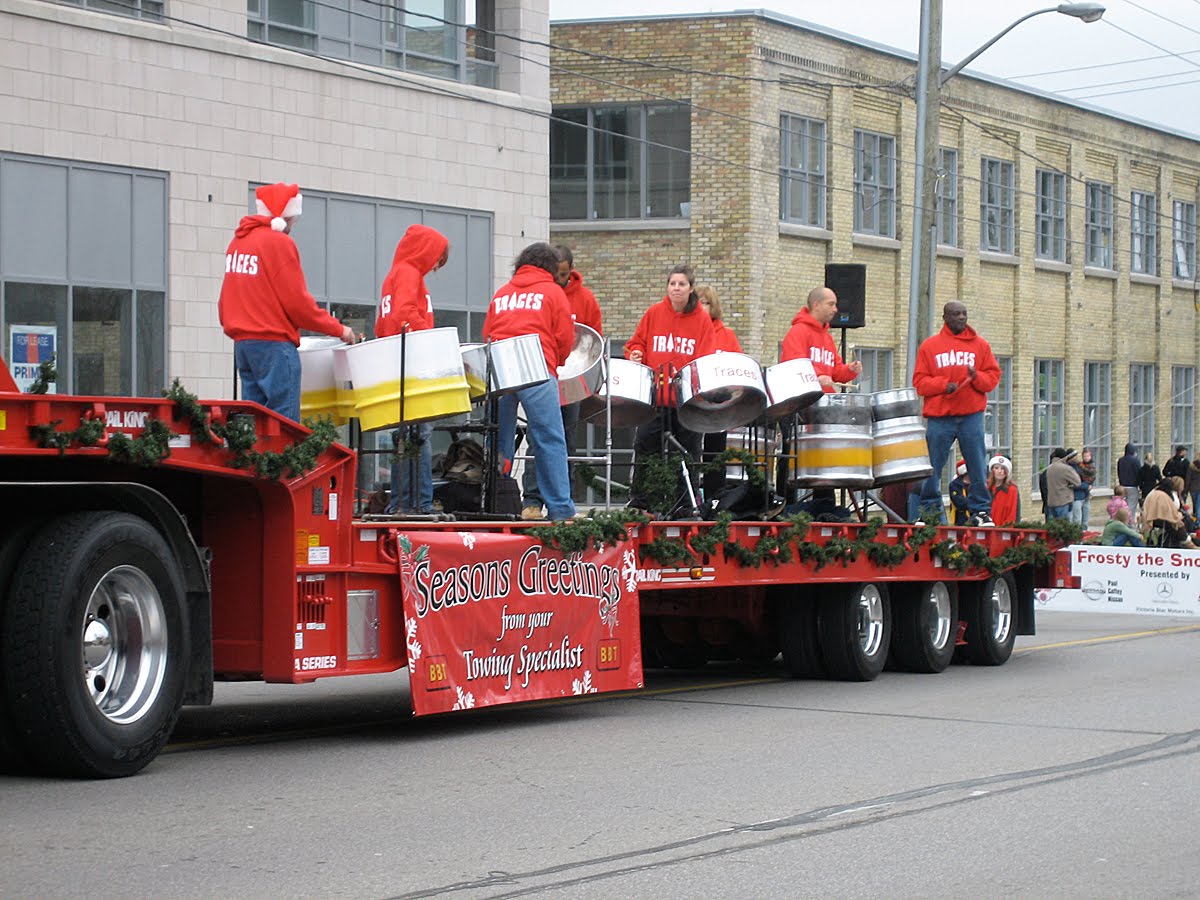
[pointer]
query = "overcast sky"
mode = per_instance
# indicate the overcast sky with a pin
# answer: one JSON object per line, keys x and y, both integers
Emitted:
{"x": 1134, "y": 40}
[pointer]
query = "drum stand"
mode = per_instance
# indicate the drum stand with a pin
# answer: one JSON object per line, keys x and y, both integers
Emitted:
{"x": 689, "y": 491}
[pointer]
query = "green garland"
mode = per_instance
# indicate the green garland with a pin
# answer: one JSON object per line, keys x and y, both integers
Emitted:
{"x": 589, "y": 479}
{"x": 656, "y": 482}
{"x": 46, "y": 376}
{"x": 733, "y": 456}
{"x": 152, "y": 445}
{"x": 598, "y": 530}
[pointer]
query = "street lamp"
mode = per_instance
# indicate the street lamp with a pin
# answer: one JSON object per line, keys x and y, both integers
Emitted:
{"x": 930, "y": 79}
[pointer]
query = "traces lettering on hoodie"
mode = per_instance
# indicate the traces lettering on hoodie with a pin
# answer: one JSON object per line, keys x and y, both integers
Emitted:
{"x": 241, "y": 263}
{"x": 821, "y": 355}
{"x": 669, "y": 343}
{"x": 523, "y": 300}
{"x": 954, "y": 358}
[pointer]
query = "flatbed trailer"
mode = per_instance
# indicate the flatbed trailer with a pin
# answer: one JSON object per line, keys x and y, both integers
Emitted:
{"x": 143, "y": 557}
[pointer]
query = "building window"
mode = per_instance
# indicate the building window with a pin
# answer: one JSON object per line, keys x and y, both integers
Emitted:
{"x": 1141, "y": 407}
{"x": 997, "y": 416}
{"x": 1183, "y": 406}
{"x": 996, "y": 212}
{"x": 877, "y": 369}
{"x": 139, "y": 9}
{"x": 1047, "y": 413}
{"x": 1097, "y": 418}
{"x": 423, "y": 36}
{"x": 947, "y": 194}
{"x": 874, "y": 184}
{"x": 1051, "y": 215}
{"x": 1099, "y": 241}
{"x": 1143, "y": 233}
{"x": 802, "y": 171}
{"x": 105, "y": 320}
{"x": 1183, "y": 240}
{"x": 620, "y": 162}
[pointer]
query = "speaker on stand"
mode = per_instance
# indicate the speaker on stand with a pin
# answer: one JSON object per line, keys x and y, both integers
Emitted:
{"x": 849, "y": 282}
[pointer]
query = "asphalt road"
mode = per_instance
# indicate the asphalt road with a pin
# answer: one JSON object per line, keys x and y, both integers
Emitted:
{"x": 1073, "y": 771}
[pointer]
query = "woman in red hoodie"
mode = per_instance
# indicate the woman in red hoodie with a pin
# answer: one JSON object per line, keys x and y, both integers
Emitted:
{"x": 533, "y": 303}
{"x": 405, "y": 305}
{"x": 670, "y": 335}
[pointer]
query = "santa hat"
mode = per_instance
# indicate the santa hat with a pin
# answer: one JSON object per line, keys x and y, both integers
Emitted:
{"x": 961, "y": 468}
{"x": 279, "y": 201}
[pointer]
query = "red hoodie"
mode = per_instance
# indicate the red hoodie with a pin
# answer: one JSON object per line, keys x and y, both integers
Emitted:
{"x": 533, "y": 303}
{"x": 725, "y": 338}
{"x": 671, "y": 338}
{"x": 264, "y": 297}
{"x": 810, "y": 339}
{"x": 584, "y": 308}
{"x": 404, "y": 299}
{"x": 944, "y": 358}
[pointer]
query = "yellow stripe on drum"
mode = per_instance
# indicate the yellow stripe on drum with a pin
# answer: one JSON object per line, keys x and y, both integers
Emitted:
{"x": 886, "y": 453}
{"x": 378, "y": 405}
{"x": 322, "y": 403}
{"x": 833, "y": 457}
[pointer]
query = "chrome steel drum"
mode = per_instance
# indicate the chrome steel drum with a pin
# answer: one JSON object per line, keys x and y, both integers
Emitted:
{"x": 791, "y": 386}
{"x": 833, "y": 443}
{"x": 895, "y": 404}
{"x": 898, "y": 448}
{"x": 581, "y": 375}
{"x": 632, "y": 388}
{"x": 758, "y": 443}
{"x": 517, "y": 363}
{"x": 719, "y": 392}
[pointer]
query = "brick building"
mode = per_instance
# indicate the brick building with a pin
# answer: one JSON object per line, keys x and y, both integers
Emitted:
{"x": 773, "y": 147}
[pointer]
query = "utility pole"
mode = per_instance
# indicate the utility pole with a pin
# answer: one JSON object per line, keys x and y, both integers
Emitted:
{"x": 925, "y": 183}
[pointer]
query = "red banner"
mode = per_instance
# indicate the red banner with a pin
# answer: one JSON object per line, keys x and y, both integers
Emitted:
{"x": 498, "y": 618}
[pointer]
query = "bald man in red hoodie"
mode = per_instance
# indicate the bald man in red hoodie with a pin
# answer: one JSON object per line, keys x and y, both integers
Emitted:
{"x": 809, "y": 338}
{"x": 265, "y": 302}
{"x": 405, "y": 306}
{"x": 954, "y": 371}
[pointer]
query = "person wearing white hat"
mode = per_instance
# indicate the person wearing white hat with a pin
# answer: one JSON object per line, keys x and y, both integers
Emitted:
{"x": 265, "y": 302}
{"x": 1006, "y": 499}
{"x": 960, "y": 490}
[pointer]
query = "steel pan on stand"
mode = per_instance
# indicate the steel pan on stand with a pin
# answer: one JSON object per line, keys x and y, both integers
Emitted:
{"x": 408, "y": 378}
{"x": 791, "y": 386}
{"x": 833, "y": 443}
{"x": 630, "y": 388}
{"x": 516, "y": 363}
{"x": 898, "y": 448}
{"x": 581, "y": 375}
{"x": 719, "y": 392}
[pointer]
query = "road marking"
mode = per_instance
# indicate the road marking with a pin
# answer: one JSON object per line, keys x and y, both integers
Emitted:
{"x": 1083, "y": 642}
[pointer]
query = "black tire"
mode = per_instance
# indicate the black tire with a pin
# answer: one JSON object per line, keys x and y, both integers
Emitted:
{"x": 855, "y": 626}
{"x": 13, "y": 541}
{"x": 989, "y": 609}
{"x": 691, "y": 653}
{"x": 798, "y": 635}
{"x": 94, "y": 646}
{"x": 924, "y": 626}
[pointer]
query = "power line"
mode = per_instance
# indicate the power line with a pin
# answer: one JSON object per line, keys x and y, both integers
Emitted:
{"x": 1161, "y": 16}
{"x": 1149, "y": 87}
{"x": 1138, "y": 37}
{"x": 1125, "y": 62}
{"x": 1102, "y": 84}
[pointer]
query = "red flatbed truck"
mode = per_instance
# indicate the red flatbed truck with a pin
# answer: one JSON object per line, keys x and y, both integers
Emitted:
{"x": 126, "y": 589}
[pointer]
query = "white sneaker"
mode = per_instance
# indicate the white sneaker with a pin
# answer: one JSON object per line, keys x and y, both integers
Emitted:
{"x": 981, "y": 520}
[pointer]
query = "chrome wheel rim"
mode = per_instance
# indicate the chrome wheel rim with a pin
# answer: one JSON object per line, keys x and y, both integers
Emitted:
{"x": 870, "y": 619}
{"x": 1000, "y": 601}
{"x": 124, "y": 645}
{"x": 939, "y": 624}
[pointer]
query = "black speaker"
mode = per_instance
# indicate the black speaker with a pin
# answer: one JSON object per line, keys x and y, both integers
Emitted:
{"x": 849, "y": 282}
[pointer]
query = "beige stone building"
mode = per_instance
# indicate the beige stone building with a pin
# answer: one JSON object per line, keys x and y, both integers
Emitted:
{"x": 758, "y": 149}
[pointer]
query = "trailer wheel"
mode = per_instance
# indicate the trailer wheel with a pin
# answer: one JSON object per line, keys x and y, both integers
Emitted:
{"x": 988, "y": 609}
{"x": 798, "y": 634}
{"x": 12, "y": 546}
{"x": 924, "y": 626}
{"x": 855, "y": 625}
{"x": 94, "y": 645}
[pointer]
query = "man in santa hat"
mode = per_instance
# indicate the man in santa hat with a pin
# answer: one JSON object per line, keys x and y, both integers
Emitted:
{"x": 265, "y": 302}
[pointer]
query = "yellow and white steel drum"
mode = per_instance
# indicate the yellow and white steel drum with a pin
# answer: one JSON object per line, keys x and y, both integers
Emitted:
{"x": 434, "y": 383}
{"x": 322, "y": 393}
{"x": 898, "y": 448}
{"x": 833, "y": 443}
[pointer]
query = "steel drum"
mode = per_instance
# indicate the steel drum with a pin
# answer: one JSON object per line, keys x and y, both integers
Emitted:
{"x": 517, "y": 363}
{"x": 791, "y": 386}
{"x": 719, "y": 392}
{"x": 760, "y": 446}
{"x": 632, "y": 387}
{"x": 324, "y": 381}
{"x": 581, "y": 375}
{"x": 898, "y": 448}
{"x": 833, "y": 443}
{"x": 433, "y": 384}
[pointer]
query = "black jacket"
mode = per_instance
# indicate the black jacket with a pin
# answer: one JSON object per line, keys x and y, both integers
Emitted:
{"x": 1148, "y": 478}
{"x": 1176, "y": 465}
{"x": 1127, "y": 470}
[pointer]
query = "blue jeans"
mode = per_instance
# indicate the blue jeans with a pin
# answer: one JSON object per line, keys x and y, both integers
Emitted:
{"x": 529, "y": 484}
{"x": 270, "y": 374}
{"x": 940, "y": 434}
{"x": 1124, "y": 540}
{"x": 1058, "y": 512}
{"x": 404, "y": 496}
{"x": 1079, "y": 510}
{"x": 546, "y": 439}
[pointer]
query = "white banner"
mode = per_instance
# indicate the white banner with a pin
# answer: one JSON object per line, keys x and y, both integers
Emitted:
{"x": 1137, "y": 580}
